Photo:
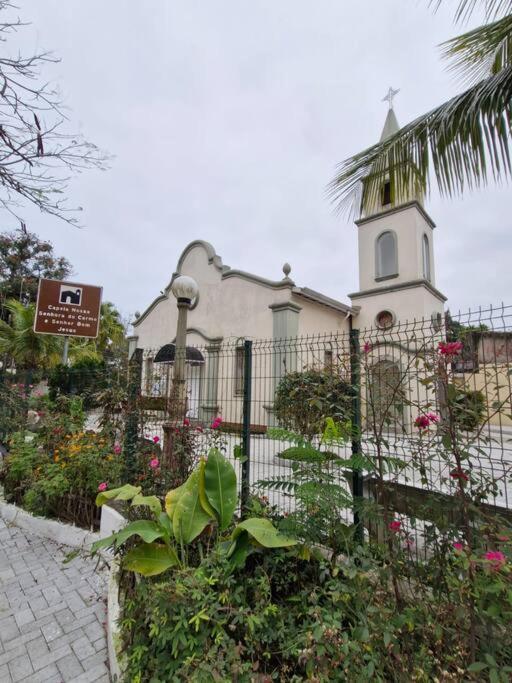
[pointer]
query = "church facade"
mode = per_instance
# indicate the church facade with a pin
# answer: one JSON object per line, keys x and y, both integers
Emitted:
{"x": 396, "y": 285}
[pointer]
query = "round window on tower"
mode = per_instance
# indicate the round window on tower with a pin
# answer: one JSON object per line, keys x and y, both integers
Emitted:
{"x": 385, "y": 320}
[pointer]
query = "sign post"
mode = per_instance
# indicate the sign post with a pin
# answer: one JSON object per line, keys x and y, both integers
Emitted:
{"x": 67, "y": 309}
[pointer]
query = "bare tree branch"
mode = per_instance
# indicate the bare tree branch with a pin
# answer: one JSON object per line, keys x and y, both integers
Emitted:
{"x": 37, "y": 157}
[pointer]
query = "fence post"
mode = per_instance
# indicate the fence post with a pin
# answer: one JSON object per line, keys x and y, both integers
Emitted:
{"x": 357, "y": 475}
{"x": 246, "y": 427}
{"x": 131, "y": 433}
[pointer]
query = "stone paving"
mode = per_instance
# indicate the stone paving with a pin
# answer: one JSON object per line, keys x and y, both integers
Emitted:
{"x": 52, "y": 615}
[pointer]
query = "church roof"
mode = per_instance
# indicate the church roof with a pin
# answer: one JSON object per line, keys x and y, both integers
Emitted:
{"x": 390, "y": 126}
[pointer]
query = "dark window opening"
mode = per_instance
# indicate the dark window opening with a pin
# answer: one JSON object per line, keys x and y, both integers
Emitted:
{"x": 386, "y": 193}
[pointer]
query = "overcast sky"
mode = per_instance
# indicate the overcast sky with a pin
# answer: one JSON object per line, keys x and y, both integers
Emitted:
{"x": 226, "y": 119}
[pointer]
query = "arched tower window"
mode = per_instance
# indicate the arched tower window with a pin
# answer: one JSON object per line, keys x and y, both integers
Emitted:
{"x": 426, "y": 258}
{"x": 386, "y": 259}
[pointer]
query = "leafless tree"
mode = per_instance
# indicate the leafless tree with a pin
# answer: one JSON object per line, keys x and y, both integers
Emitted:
{"x": 37, "y": 155}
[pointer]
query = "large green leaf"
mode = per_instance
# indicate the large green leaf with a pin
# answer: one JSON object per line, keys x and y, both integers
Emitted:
{"x": 202, "y": 490}
{"x": 150, "y": 559}
{"x": 189, "y": 518}
{"x": 220, "y": 487}
{"x": 239, "y": 550}
{"x": 264, "y": 532}
{"x": 151, "y": 502}
{"x": 147, "y": 530}
{"x": 172, "y": 498}
{"x": 126, "y": 492}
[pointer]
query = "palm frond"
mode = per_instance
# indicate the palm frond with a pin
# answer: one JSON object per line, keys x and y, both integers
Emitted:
{"x": 481, "y": 52}
{"x": 465, "y": 8}
{"x": 462, "y": 142}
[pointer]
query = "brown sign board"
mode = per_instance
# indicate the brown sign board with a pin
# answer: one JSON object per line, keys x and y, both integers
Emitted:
{"x": 69, "y": 309}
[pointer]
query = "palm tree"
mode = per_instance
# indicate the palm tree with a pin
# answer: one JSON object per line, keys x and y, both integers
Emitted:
{"x": 464, "y": 141}
{"x": 21, "y": 344}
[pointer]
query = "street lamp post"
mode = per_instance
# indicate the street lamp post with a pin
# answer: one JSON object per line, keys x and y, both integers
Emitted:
{"x": 185, "y": 290}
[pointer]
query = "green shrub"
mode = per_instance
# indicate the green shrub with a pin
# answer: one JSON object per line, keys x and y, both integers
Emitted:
{"x": 468, "y": 409}
{"x": 287, "y": 619}
{"x": 304, "y": 400}
{"x": 84, "y": 379}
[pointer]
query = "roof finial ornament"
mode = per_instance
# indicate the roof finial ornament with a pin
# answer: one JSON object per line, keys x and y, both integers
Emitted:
{"x": 287, "y": 269}
{"x": 390, "y": 96}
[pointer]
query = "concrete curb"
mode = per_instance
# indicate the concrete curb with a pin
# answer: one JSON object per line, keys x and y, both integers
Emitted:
{"x": 64, "y": 534}
{"x": 115, "y": 657}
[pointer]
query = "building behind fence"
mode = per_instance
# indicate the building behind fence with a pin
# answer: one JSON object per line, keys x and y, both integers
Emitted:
{"x": 380, "y": 384}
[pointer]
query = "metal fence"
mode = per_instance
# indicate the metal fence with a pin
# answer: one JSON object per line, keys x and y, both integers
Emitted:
{"x": 414, "y": 412}
{"x": 418, "y": 414}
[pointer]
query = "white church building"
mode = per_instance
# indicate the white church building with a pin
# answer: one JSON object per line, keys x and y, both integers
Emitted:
{"x": 396, "y": 284}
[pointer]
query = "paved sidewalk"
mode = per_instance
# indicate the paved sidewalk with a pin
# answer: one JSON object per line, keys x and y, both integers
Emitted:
{"x": 51, "y": 614}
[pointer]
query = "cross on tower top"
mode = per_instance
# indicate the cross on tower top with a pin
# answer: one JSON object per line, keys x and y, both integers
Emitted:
{"x": 389, "y": 97}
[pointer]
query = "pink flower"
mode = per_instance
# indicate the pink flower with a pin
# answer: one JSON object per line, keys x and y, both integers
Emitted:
{"x": 367, "y": 347}
{"x": 117, "y": 448}
{"x": 186, "y": 422}
{"x": 216, "y": 423}
{"x": 154, "y": 463}
{"x": 103, "y": 486}
{"x": 459, "y": 474}
{"x": 422, "y": 422}
{"x": 458, "y": 547}
{"x": 496, "y": 558}
{"x": 395, "y": 525}
{"x": 409, "y": 542}
{"x": 433, "y": 417}
{"x": 450, "y": 348}
{"x": 503, "y": 539}
{"x": 156, "y": 439}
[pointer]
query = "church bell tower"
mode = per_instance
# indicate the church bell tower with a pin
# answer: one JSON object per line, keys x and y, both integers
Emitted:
{"x": 396, "y": 255}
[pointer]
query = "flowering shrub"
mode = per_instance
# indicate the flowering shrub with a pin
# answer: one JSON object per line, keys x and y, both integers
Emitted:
{"x": 63, "y": 483}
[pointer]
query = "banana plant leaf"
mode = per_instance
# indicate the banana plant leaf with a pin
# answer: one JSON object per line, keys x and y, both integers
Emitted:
{"x": 151, "y": 502}
{"x": 189, "y": 518}
{"x": 150, "y": 559}
{"x": 147, "y": 530}
{"x": 220, "y": 487}
{"x": 264, "y": 532}
{"x": 126, "y": 492}
{"x": 172, "y": 498}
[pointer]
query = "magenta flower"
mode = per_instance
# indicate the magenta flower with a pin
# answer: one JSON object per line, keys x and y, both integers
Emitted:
{"x": 117, "y": 448}
{"x": 395, "y": 526}
{"x": 156, "y": 439}
{"x": 103, "y": 486}
{"x": 496, "y": 558}
{"x": 433, "y": 417}
{"x": 367, "y": 347}
{"x": 186, "y": 422}
{"x": 422, "y": 422}
{"x": 458, "y": 547}
{"x": 450, "y": 348}
{"x": 216, "y": 423}
{"x": 154, "y": 463}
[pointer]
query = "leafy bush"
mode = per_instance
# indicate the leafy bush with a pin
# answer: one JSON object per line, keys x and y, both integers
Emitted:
{"x": 85, "y": 379}
{"x": 284, "y": 618}
{"x": 468, "y": 409}
{"x": 65, "y": 483}
{"x": 303, "y": 401}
